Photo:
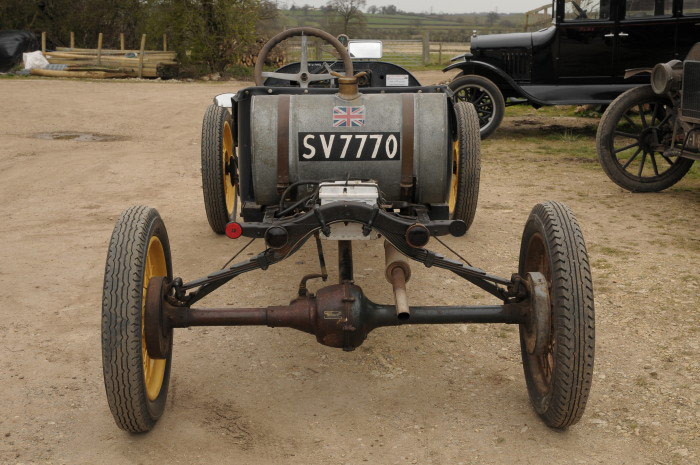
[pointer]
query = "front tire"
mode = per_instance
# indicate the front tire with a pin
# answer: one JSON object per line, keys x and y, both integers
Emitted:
{"x": 466, "y": 169}
{"x": 136, "y": 384}
{"x": 628, "y": 141}
{"x": 486, "y": 98}
{"x": 219, "y": 167}
{"x": 559, "y": 376}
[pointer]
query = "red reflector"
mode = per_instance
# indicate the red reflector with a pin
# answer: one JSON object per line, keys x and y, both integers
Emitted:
{"x": 234, "y": 230}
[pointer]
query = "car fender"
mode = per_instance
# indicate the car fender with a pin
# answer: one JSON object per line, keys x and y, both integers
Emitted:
{"x": 635, "y": 71}
{"x": 490, "y": 71}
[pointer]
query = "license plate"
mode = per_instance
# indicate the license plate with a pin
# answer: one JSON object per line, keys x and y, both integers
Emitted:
{"x": 356, "y": 146}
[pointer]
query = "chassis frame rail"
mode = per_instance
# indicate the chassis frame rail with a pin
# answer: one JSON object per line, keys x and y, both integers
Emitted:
{"x": 392, "y": 226}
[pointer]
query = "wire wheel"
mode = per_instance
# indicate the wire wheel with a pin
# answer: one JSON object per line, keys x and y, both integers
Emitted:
{"x": 482, "y": 101}
{"x": 634, "y": 139}
{"x": 486, "y": 98}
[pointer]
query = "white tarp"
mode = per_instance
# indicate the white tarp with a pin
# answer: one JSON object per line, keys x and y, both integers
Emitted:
{"x": 34, "y": 60}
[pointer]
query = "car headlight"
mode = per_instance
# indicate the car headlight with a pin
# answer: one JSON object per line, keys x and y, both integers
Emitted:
{"x": 666, "y": 77}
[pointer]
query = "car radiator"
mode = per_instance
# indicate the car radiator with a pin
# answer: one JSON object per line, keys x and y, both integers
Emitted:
{"x": 690, "y": 103}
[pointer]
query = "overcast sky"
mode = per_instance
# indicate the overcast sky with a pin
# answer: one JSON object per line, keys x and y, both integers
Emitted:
{"x": 447, "y": 6}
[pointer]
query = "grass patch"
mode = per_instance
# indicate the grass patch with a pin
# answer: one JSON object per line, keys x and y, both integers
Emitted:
{"x": 553, "y": 111}
{"x": 613, "y": 252}
{"x": 694, "y": 172}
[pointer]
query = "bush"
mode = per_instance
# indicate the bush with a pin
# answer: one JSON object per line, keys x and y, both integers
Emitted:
{"x": 208, "y": 34}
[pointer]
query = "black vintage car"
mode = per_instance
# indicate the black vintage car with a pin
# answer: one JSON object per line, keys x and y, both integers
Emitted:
{"x": 580, "y": 59}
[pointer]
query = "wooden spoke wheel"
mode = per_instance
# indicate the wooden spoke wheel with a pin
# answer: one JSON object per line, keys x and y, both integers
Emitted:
{"x": 633, "y": 137}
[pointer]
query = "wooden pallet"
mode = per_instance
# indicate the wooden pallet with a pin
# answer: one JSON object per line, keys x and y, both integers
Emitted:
{"x": 114, "y": 63}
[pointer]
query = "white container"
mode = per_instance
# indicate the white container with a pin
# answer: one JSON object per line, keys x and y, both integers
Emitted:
{"x": 349, "y": 191}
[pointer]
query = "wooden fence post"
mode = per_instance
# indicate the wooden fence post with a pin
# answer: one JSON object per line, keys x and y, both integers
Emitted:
{"x": 143, "y": 47}
{"x": 121, "y": 40}
{"x": 43, "y": 43}
{"x": 72, "y": 39}
{"x": 99, "y": 49}
{"x": 318, "y": 49}
{"x": 426, "y": 48}
{"x": 440, "y": 54}
{"x": 165, "y": 43}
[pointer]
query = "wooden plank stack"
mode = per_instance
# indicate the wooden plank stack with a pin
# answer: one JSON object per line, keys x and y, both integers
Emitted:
{"x": 114, "y": 63}
{"x": 276, "y": 57}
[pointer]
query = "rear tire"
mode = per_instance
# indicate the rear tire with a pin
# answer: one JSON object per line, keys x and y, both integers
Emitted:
{"x": 486, "y": 98}
{"x": 219, "y": 167}
{"x": 136, "y": 385}
{"x": 559, "y": 378}
{"x": 466, "y": 170}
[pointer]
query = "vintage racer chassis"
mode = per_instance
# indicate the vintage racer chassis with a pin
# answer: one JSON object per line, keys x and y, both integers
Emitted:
{"x": 550, "y": 297}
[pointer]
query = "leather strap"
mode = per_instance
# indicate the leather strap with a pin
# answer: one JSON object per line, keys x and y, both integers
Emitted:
{"x": 282, "y": 141}
{"x": 407, "y": 132}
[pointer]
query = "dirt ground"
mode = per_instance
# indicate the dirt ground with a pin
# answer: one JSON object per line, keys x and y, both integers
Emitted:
{"x": 422, "y": 395}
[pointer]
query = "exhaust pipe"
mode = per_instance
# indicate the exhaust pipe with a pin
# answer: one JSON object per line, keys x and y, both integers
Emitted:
{"x": 398, "y": 272}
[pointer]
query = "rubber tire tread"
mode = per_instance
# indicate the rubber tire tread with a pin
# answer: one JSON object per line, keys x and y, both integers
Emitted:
{"x": 121, "y": 320}
{"x": 499, "y": 103}
{"x": 573, "y": 315}
{"x": 469, "y": 170}
{"x": 212, "y": 170}
{"x": 605, "y": 132}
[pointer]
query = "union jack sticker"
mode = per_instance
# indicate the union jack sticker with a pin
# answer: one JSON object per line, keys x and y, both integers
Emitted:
{"x": 345, "y": 117}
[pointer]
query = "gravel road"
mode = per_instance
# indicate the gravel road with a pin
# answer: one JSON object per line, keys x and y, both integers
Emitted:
{"x": 422, "y": 395}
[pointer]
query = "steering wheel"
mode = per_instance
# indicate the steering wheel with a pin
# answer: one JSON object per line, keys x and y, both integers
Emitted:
{"x": 303, "y": 77}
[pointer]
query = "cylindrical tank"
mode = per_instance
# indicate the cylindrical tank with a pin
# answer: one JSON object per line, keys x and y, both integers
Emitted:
{"x": 330, "y": 138}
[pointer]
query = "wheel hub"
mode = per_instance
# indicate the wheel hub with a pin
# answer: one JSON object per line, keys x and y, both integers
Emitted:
{"x": 539, "y": 323}
{"x": 649, "y": 139}
{"x": 157, "y": 334}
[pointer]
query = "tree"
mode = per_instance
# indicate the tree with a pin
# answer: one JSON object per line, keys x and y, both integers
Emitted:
{"x": 491, "y": 18}
{"x": 389, "y": 10}
{"x": 349, "y": 12}
{"x": 211, "y": 34}
{"x": 506, "y": 23}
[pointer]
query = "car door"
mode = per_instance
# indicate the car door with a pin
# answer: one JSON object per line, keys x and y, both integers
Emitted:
{"x": 586, "y": 30}
{"x": 646, "y": 36}
{"x": 688, "y": 27}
